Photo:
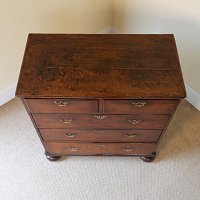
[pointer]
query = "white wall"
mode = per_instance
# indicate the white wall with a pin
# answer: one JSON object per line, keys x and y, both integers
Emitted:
{"x": 180, "y": 17}
{"x": 20, "y": 17}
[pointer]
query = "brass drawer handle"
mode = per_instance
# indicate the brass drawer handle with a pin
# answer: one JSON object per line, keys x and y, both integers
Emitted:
{"x": 66, "y": 121}
{"x": 99, "y": 145}
{"x": 138, "y": 103}
{"x": 99, "y": 131}
{"x": 131, "y": 135}
{"x": 71, "y": 135}
{"x": 72, "y": 148}
{"x": 134, "y": 121}
{"x": 100, "y": 116}
{"x": 61, "y": 102}
{"x": 128, "y": 149}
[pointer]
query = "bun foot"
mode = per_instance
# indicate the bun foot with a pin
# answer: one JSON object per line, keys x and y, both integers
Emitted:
{"x": 52, "y": 158}
{"x": 149, "y": 158}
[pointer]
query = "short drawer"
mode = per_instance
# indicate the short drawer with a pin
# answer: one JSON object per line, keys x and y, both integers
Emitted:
{"x": 139, "y": 106}
{"x": 62, "y": 105}
{"x": 100, "y": 121}
{"x": 99, "y": 148}
{"x": 101, "y": 135}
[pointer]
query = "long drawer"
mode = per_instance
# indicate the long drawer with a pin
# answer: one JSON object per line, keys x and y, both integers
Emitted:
{"x": 139, "y": 106}
{"x": 62, "y": 105}
{"x": 101, "y": 135}
{"x": 101, "y": 121}
{"x": 100, "y": 148}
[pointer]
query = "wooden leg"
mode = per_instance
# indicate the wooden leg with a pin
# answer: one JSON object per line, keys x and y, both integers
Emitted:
{"x": 52, "y": 158}
{"x": 149, "y": 158}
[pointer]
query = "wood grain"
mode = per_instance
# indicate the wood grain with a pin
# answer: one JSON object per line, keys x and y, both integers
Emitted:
{"x": 100, "y": 135}
{"x": 110, "y": 122}
{"x": 78, "y": 65}
{"x": 62, "y": 105}
{"x": 100, "y": 148}
{"x": 80, "y": 92}
{"x": 133, "y": 106}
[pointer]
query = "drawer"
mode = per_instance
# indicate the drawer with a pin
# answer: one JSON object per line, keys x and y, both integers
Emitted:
{"x": 139, "y": 106}
{"x": 100, "y": 121}
{"x": 101, "y": 135}
{"x": 99, "y": 148}
{"x": 62, "y": 105}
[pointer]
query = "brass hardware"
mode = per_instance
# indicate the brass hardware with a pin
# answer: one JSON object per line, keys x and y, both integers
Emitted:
{"x": 99, "y": 131}
{"x": 139, "y": 103}
{"x": 72, "y": 148}
{"x": 62, "y": 102}
{"x": 99, "y": 145}
{"x": 71, "y": 135}
{"x": 134, "y": 121}
{"x": 128, "y": 149}
{"x": 131, "y": 135}
{"x": 100, "y": 116}
{"x": 66, "y": 121}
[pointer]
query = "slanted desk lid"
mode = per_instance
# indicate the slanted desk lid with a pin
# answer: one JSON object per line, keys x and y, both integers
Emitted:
{"x": 99, "y": 65}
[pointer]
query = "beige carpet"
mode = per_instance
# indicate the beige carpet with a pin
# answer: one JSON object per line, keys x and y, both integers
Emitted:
{"x": 25, "y": 174}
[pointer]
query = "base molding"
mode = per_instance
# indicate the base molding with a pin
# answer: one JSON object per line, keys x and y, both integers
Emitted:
{"x": 7, "y": 94}
{"x": 193, "y": 96}
{"x": 110, "y": 30}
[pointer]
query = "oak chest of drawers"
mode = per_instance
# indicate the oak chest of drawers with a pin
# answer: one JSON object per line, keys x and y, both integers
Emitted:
{"x": 100, "y": 94}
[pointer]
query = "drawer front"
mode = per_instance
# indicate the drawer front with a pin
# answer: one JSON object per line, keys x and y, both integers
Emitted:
{"x": 101, "y": 135}
{"x": 101, "y": 121}
{"x": 139, "y": 106}
{"x": 62, "y": 105}
{"x": 100, "y": 148}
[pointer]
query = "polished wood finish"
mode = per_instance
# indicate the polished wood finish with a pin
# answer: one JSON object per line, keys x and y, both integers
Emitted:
{"x": 109, "y": 122}
{"x": 101, "y": 135}
{"x": 139, "y": 106}
{"x": 149, "y": 158}
{"x": 87, "y": 65}
{"x": 71, "y": 148}
{"x": 52, "y": 157}
{"x": 100, "y": 94}
{"x": 62, "y": 105}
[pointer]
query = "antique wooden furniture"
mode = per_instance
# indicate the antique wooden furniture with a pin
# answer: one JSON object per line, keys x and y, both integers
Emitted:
{"x": 95, "y": 94}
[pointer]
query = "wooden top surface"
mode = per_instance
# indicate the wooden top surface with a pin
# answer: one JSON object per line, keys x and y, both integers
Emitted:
{"x": 101, "y": 66}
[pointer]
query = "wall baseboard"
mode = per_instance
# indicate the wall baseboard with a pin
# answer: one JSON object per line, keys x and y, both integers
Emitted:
{"x": 110, "y": 30}
{"x": 7, "y": 94}
{"x": 193, "y": 96}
